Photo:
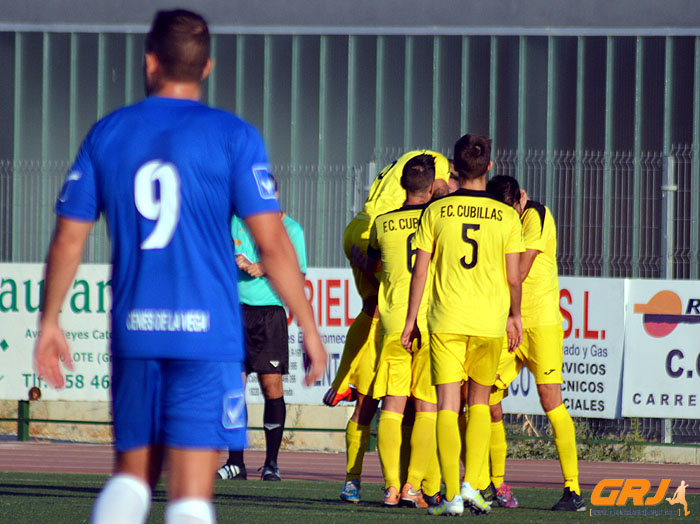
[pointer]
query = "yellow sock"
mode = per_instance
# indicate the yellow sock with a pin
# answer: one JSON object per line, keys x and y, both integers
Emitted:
{"x": 463, "y": 416}
{"x": 478, "y": 436}
{"x": 356, "y": 438}
{"x": 432, "y": 478}
{"x": 448, "y": 446}
{"x": 354, "y": 341}
{"x": 565, "y": 440}
{"x": 406, "y": 432}
{"x": 389, "y": 447}
{"x": 498, "y": 451}
{"x": 484, "y": 478}
{"x": 423, "y": 449}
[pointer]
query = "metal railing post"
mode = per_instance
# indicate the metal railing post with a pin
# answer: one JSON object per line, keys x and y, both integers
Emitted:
{"x": 668, "y": 195}
{"x": 23, "y": 420}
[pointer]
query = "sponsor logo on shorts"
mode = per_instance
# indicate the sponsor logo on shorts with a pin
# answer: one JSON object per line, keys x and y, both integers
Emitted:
{"x": 274, "y": 363}
{"x": 549, "y": 372}
{"x": 234, "y": 415}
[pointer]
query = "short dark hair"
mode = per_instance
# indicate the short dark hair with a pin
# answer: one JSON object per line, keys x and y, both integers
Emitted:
{"x": 504, "y": 188}
{"x": 180, "y": 40}
{"x": 472, "y": 156}
{"x": 418, "y": 173}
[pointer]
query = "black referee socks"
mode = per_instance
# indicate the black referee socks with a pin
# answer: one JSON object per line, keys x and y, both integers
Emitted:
{"x": 273, "y": 422}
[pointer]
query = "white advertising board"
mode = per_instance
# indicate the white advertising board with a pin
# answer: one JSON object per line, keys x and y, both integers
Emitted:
{"x": 594, "y": 313}
{"x": 84, "y": 319}
{"x": 662, "y": 350}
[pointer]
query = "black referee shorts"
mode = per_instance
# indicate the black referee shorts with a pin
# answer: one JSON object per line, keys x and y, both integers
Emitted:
{"x": 266, "y": 339}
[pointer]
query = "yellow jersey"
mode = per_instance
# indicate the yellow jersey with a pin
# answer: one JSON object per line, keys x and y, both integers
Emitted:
{"x": 386, "y": 193}
{"x": 390, "y": 241}
{"x": 469, "y": 234}
{"x": 540, "y": 303}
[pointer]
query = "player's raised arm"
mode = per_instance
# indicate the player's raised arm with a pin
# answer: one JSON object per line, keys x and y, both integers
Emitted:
{"x": 63, "y": 259}
{"x": 279, "y": 258}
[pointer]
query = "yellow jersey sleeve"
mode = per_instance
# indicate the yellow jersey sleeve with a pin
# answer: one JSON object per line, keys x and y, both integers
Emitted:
{"x": 533, "y": 226}
{"x": 386, "y": 193}
{"x": 540, "y": 302}
{"x": 424, "y": 235}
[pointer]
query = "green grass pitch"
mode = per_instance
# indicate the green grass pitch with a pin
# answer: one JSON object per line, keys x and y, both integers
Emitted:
{"x": 42, "y": 498}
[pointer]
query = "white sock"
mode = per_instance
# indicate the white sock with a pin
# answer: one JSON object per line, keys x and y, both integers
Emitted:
{"x": 124, "y": 499}
{"x": 190, "y": 511}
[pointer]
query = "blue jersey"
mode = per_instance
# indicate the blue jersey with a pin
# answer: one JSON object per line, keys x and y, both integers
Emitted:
{"x": 169, "y": 174}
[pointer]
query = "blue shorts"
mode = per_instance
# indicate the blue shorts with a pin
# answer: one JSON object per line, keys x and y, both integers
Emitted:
{"x": 178, "y": 403}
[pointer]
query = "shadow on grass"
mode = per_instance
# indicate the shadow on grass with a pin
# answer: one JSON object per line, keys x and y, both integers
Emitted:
{"x": 44, "y": 490}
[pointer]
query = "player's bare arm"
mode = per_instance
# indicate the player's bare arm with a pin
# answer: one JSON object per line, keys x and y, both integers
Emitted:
{"x": 278, "y": 256}
{"x": 514, "y": 326}
{"x": 366, "y": 263}
{"x": 64, "y": 257}
{"x": 526, "y": 261}
{"x": 420, "y": 275}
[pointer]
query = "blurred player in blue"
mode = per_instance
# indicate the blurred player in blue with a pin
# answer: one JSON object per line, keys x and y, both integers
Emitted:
{"x": 169, "y": 173}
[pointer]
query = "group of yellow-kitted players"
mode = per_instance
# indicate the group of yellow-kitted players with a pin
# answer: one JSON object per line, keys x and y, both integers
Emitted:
{"x": 459, "y": 288}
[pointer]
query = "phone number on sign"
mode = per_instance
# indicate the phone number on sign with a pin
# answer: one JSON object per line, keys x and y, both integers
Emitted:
{"x": 81, "y": 382}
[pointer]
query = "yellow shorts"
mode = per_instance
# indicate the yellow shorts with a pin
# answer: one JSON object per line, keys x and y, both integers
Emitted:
{"x": 363, "y": 377}
{"x": 393, "y": 375}
{"x": 357, "y": 232}
{"x": 497, "y": 395}
{"x": 422, "y": 381}
{"x": 401, "y": 374}
{"x": 454, "y": 356}
{"x": 541, "y": 352}
{"x": 508, "y": 367}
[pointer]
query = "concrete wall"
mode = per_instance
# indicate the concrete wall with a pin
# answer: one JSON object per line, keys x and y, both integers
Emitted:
{"x": 298, "y": 416}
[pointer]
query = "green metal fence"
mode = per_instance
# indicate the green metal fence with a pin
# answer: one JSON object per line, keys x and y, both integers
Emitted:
{"x": 585, "y": 120}
{"x": 609, "y": 208}
{"x": 339, "y": 99}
